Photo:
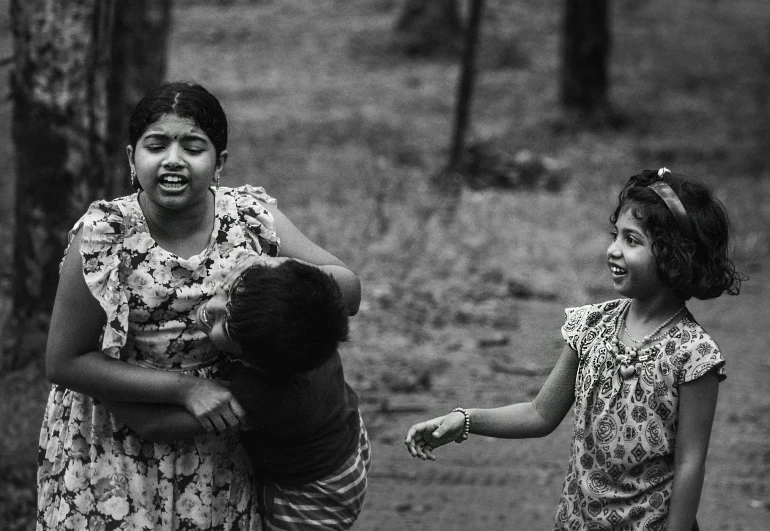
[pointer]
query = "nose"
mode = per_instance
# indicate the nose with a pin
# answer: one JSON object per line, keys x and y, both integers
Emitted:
{"x": 173, "y": 156}
{"x": 613, "y": 250}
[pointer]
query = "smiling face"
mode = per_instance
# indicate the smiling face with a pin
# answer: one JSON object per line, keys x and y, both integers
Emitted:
{"x": 213, "y": 314}
{"x": 630, "y": 259}
{"x": 175, "y": 162}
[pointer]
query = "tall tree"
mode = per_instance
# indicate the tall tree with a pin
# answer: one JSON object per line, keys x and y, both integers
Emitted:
{"x": 429, "y": 27}
{"x": 68, "y": 97}
{"x": 586, "y": 49}
{"x": 139, "y": 57}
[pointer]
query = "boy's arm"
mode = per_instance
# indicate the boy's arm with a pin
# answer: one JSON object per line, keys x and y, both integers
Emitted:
{"x": 157, "y": 423}
{"x": 697, "y": 404}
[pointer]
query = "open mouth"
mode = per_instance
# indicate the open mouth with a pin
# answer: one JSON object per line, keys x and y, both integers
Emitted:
{"x": 172, "y": 181}
{"x": 617, "y": 270}
{"x": 203, "y": 322}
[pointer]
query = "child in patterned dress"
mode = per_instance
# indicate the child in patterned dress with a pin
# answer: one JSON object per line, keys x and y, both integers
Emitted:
{"x": 642, "y": 373}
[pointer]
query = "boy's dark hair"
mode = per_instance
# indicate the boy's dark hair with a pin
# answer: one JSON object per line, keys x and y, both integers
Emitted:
{"x": 287, "y": 319}
{"x": 697, "y": 267}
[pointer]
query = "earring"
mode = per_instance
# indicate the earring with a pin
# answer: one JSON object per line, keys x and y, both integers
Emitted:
{"x": 216, "y": 179}
{"x": 134, "y": 180}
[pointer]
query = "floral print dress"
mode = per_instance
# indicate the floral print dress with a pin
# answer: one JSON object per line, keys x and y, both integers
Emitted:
{"x": 94, "y": 472}
{"x": 620, "y": 474}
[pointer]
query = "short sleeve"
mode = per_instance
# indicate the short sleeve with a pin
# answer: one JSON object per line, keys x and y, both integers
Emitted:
{"x": 697, "y": 355}
{"x": 259, "y": 222}
{"x": 101, "y": 251}
{"x": 584, "y": 324}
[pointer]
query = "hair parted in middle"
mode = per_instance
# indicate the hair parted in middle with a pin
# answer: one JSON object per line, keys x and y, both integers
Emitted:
{"x": 697, "y": 267}
{"x": 287, "y": 319}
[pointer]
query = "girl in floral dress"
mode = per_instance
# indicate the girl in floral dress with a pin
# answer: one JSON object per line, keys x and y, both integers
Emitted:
{"x": 123, "y": 330}
{"x": 641, "y": 372}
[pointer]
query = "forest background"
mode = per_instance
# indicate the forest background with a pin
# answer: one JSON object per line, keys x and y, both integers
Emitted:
{"x": 330, "y": 116}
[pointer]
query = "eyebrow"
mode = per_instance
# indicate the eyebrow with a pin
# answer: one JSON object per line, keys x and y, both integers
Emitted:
{"x": 165, "y": 136}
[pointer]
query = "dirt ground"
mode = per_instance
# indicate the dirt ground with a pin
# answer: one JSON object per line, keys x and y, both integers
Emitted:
{"x": 514, "y": 485}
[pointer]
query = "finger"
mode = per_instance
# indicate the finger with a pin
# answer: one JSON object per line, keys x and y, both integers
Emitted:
{"x": 208, "y": 425}
{"x": 239, "y": 412}
{"x": 420, "y": 451}
{"x": 429, "y": 453}
{"x": 231, "y": 421}
{"x": 219, "y": 424}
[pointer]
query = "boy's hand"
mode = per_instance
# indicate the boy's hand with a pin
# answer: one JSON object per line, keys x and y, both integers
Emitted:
{"x": 423, "y": 438}
{"x": 214, "y": 406}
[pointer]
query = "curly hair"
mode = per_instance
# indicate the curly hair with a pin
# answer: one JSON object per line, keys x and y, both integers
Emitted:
{"x": 287, "y": 319}
{"x": 699, "y": 266}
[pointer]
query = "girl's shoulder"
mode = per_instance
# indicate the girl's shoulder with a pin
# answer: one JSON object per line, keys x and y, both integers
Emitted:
{"x": 591, "y": 315}
{"x": 584, "y": 324}
{"x": 696, "y": 352}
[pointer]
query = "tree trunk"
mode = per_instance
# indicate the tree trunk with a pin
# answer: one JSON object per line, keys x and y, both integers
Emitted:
{"x": 586, "y": 48}
{"x": 139, "y": 57}
{"x": 430, "y": 27}
{"x": 69, "y": 88}
{"x": 59, "y": 129}
{"x": 448, "y": 182}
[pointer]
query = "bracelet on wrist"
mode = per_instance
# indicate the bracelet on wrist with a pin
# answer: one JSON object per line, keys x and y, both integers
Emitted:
{"x": 466, "y": 425}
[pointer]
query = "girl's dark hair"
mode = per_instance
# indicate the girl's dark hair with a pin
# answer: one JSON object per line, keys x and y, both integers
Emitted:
{"x": 287, "y": 319}
{"x": 697, "y": 267}
{"x": 183, "y": 99}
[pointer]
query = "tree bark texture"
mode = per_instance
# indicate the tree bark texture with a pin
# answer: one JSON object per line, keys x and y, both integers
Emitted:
{"x": 430, "y": 27}
{"x": 586, "y": 48}
{"x": 59, "y": 88}
{"x": 139, "y": 58}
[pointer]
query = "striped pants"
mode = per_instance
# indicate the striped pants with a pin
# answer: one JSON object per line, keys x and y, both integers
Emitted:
{"x": 332, "y": 503}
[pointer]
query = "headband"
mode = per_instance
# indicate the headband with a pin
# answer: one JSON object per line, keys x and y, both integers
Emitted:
{"x": 674, "y": 204}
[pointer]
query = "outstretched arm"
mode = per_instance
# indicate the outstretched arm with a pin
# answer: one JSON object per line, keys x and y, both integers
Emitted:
{"x": 74, "y": 359}
{"x": 517, "y": 421}
{"x": 296, "y": 245}
{"x": 697, "y": 404}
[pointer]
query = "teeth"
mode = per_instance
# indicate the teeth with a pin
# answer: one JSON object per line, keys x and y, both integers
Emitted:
{"x": 172, "y": 179}
{"x": 617, "y": 270}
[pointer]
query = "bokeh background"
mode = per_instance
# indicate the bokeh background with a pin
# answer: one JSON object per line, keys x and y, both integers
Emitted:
{"x": 345, "y": 128}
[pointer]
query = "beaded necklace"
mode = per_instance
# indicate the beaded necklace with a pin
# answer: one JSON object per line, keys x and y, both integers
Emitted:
{"x": 628, "y": 357}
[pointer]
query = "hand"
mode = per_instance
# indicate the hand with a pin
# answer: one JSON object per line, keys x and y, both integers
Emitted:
{"x": 423, "y": 438}
{"x": 215, "y": 407}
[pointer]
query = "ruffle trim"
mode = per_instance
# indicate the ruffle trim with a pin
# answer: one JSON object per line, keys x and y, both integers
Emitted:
{"x": 259, "y": 222}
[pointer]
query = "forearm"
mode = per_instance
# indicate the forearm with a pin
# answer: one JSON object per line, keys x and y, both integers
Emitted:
{"x": 158, "y": 423}
{"x": 688, "y": 483}
{"x": 349, "y": 285}
{"x": 98, "y": 375}
{"x": 516, "y": 421}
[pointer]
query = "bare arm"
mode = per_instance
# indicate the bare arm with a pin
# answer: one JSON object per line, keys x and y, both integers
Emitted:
{"x": 517, "y": 421}
{"x": 158, "y": 423}
{"x": 73, "y": 358}
{"x": 296, "y": 245}
{"x": 697, "y": 404}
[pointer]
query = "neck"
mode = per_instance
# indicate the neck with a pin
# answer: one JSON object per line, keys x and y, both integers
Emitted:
{"x": 165, "y": 223}
{"x": 651, "y": 310}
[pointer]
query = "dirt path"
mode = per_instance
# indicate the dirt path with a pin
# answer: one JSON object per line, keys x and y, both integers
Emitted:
{"x": 514, "y": 485}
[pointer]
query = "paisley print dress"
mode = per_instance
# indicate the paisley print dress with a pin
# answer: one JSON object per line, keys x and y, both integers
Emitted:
{"x": 94, "y": 472}
{"x": 620, "y": 474}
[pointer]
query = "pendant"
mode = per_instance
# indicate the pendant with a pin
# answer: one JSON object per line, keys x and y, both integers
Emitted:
{"x": 627, "y": 371}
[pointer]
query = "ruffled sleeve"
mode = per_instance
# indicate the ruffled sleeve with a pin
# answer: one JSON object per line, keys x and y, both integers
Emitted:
{"x": 697, "y": 355}
{"x": 259, "y": 222}
{"x": 101, "y": 250}
{"x": 581, "y": 327}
